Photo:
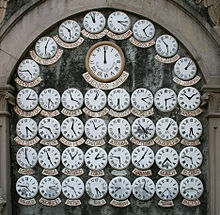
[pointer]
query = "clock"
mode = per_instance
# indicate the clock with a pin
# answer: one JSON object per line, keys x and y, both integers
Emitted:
{"x": 189, "y": 98}
{"x": 143, "y": 129}
{"x": 119, "y": 158}
{"x": 72, "y": 128}
{"x": 49, "y": 128}
{"x": 143, "y": 30}
{"x": 69, "y": 31}
{"x": 119, "y": 129}
{"x": 49, "y": 99}
{"x": 165, "y": 99}
{"x": 118, "y": 22}
{"x": 190, "y": 128}
{"x": 94, "y": 22}
{"x": 142, "y": 157}
{"x": 166, "y": 128}
{"x": 96, "y": 187}
{"x": 28, "y": 70}
{"x": 73, "y": 187}
{"x": 27, "y": 99}
{"x": 96, "y": 158}
{"x": 142, "y": 99}
{"x": 95, "y": 128}
{"x": 46, "y": 47}
{"x": 105, "y": 61}
{"x": 26, "y": 128}
{"x": 185, "y": 68}
{"x": 72, "y": 157}
{"x": 50, "y": 187}
{"x": 120, "y": 188}
{"x": 166, "y": 45}
{"x": 95, "y": 99}
{"x": 27, "y": 187}
{"x": 72, "y": 99}
{"x": 143, "y": 188}
{"x": 166, "y": 158}
{"x": 118, "y": 99}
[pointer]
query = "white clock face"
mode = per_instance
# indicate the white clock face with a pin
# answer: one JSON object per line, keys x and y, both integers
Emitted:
{"x": 50, "y": 187}
{"x": 69, "y": 31}
{"x": 27, "y": 187}
{"x": 191, "y": 188}
{"x": 26, "y": 128}
{"x": 72, "y": 128}
{"x": 167, "y": 188}
{"x": 190, "y": 128}
{"x": 72, "y": 99}
{"x": 120, "y": 188}
{"x": 46, "y": 47}
{"x": 96, "y": 187}
{"x": 119, "y": 129}
{"x": 166, "y": 46}
{"x": 27, "y": 99}
{"x": 143, "y": 188}
{"x": 143, "y": 129}
{"x": 189, "y": 98}
{"x": 142, "y": 157}
{"x": 28, "y": 70}
{"x": 185, "y": 68}
{"x": 118, "y": 22}
{"x": 166, "y": 158}
{"x": 165, "y": 99}
{"x": 94, "y": 22}
{"x": 73, "y": 187}
{"x": 143, "y": 30}
{"x": 96, "y": 158}
{"x": 119, "y": 158}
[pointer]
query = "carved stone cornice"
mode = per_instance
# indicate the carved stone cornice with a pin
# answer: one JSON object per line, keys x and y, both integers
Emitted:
{"x": 2, "y": 204}
{"x": 3, "y": 7}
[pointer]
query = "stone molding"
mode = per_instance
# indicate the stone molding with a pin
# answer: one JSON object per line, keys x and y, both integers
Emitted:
{"x": 2, "y": 204}
{"x": 3, "y": 7}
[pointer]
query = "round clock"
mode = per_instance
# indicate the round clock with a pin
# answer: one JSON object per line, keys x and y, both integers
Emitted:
{"x": 46, "y": 47}
{"x": 142, "y": 157}
{"x": 27, "y": 99}
{"x": 166, "y": 46}
{"x": 143, "y": 129}
{"x": 118, "y": 22}
{"x": 72, "y": 157}
{"x": 191, "y": 188}
{"x": 69, "y": 31}
{"x": 72, "y": 99}
{"x": 167, "y": 188}
{"x": 166, "y": 158}
{"x": 190, "y": 128}
{"x": 50, "y": 187}
{"x": 72, "y": 128}
{"x": 105, "y": 61}
{"x": 118, "y": 99}
{"x": 73, "y": 187}
{"x": 189, "y": 98}
{"x": 165, "y": 99}
{"x": 119, "y": 129}
{"x": 28, "y": 70}
{"x": 49, "y": 128}
{"x": 120, "y": 188}
{"x": 185, "y": 68}
{"x": 143, "y": 188}
{"x": 94, "y": 22}
{"x": 119, "y": 158}
{"x": 27, "y": 187}
{"x": 26, "y": 128}
{"x": 143, "y": 30}
{"x": 96, "y": 187}
{"x": 95, "y": 99}
{"x": 49, "y": 99}
{"x": 96, "y": 158}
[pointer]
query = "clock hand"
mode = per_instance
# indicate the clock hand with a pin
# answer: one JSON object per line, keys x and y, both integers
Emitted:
{"x": 72, "y": 189}
{"x": 28, "y": 129}
{"x": 27, "y": 187}
{"x": 167, "y": 47}
{"x": 98, "y": 126}
{"x": 94, "y": 125}
{"x": 71, "y": 97}
{"x": 191, "y": 96}
{"x": 143, "y": 99}
{"x": 187, "y": 66}
{"x": 122, "y": 22}
{"x": 26, "y": 71}
{"x": 74, "y": 155}
{"x": 164, "y": 164}
{"x": 104, "y": 55}
{"x": 28, "y": 98}
{"x": 117, "y": 158}
{"x": 69, "y": 30}
{"x": 72, "y": 127}
{"x": 50, "y": 101}
{"x": 96, "y": 157}
{"x": 142, "y": 158}
{"x": 93, "y": 17}
{"x": 144, "y": 188}
{"x": 191, "y": 132}
{"x": 45, "y": 48}
{"x": 188, "y": 157}
{"x": 168, "y": 126}
{"x": 165, "y": 100}
{"x": 97, "y": 191}
{"x": 144, "y": 129}
{"x": 118, "y": 102}
{"x": 119, "y": 132}
{"x": 53, "y": 188}
{"x": 117, "y": 188}
{"x": 96, "y": 95}
{"x": 26, "y": 156}
{"x": 145, "y": 29}
{"x": 49, "y": 129}
{"x": 48, "y": 157}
